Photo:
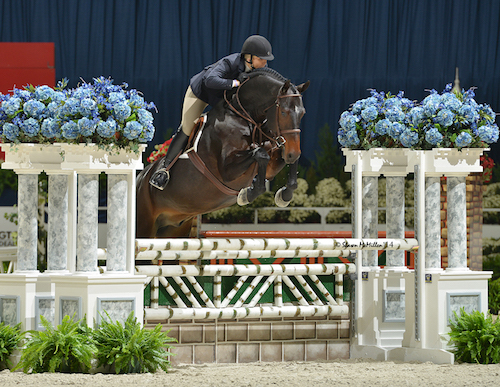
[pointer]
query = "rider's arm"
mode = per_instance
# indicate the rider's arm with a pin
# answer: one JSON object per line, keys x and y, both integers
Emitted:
{"x": 220, "y": 76}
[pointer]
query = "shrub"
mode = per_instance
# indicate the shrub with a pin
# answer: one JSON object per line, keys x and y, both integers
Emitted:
{"x": 68, "y": 348}
{"x": 475, "y": 338}
{"x": 10, "y": 338}
{"x": 129, "y": 348}
{"x": 494, "y": 296}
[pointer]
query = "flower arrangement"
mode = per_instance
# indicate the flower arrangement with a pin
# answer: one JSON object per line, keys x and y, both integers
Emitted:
{"x": 488, "y": 164}
{"x": 98, "y": 112}
{"x": 159, "y": 152}
{"x": 448, "y": 120}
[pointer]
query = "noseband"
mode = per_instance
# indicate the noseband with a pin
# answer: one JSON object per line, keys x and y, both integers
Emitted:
{"x": 279, "y": 140}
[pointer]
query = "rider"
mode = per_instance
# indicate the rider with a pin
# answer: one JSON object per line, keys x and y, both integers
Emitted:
{"x": 207, "y": 88}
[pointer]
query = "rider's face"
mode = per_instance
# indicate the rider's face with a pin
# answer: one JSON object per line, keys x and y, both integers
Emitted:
{"x": 258, "y": 63}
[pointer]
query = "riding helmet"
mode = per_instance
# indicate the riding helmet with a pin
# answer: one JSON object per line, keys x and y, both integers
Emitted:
{"x": 259, "y": 46}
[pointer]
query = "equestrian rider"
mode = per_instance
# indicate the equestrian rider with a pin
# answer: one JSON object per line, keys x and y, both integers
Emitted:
{"x": 207, "y": 88}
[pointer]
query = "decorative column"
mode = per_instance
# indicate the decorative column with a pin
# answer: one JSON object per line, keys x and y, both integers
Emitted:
{"x": 57, "y": 237}
{"x": 117, "y": 223}
{"x": 432, "y": 223}
{"x": 370, "y": 217}
{"x": 395, "y": 218}
{"x": 88, "y": 202}
{"x": 457, "y": 223}
{"x": 27, "y": 221}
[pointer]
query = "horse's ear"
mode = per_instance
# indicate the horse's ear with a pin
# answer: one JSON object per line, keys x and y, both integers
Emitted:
{"x": 285, "y": 86}
{"x": 303, "y": 87}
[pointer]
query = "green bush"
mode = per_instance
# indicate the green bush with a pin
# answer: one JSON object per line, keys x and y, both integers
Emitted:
{"x": 129, "y": 348}
{"x": 494, "y": 296}
{"x": 475, "y": 338}
{"x": 10, "y": 338}
{"x": 68, "y": 348}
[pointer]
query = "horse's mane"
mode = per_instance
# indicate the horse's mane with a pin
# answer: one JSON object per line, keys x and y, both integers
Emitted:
{"x": 269, "y": 72}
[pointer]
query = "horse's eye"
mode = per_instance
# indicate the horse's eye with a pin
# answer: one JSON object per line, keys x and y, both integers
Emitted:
{"x": 283, "y": 113}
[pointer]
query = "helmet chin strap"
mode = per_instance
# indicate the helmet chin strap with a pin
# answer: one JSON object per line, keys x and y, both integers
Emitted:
{"x": 250, "y": 62}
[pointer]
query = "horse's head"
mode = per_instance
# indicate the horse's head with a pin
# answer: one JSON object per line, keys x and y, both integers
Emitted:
{"x": 288, "y": 112}
{"x": 275, "y": 105}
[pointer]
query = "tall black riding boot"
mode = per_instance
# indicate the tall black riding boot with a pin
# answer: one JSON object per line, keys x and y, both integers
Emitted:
{"x": 161, "y": 176}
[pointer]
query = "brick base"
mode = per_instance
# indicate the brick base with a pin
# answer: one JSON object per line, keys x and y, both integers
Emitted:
{"x": 252, "y": 341}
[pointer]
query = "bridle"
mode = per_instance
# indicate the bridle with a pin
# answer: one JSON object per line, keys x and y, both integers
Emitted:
{"x": 279, "y": 140}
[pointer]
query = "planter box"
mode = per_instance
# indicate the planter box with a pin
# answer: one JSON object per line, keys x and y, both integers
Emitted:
{"x": 69, "y": 157}
{"x": 381, "y": 161}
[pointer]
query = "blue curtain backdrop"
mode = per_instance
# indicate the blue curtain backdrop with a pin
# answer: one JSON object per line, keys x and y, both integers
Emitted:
{"x": 343, "y": 47}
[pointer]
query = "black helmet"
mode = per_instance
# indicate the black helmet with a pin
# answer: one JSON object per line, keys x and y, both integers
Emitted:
{"x": 259, "y": 46}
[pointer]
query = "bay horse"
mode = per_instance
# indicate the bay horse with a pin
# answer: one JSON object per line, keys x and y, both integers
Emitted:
{"x": 248, "y": 137}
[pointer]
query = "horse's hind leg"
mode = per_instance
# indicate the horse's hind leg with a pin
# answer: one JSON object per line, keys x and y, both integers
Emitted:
{"x": 248, "y": 195}
{"x": 284, "y": 195}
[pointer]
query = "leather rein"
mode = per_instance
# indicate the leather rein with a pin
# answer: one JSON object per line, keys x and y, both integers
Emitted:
{"x": 279, "y": 140}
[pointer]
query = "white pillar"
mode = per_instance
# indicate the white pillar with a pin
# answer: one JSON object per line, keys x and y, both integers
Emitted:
{"x": 370, "y": 217}
{"x": 457, "y": 223}
{"x": 57, "y": 242}
{"x": 117, "y": 223}
{"x": 433, "y": 223}
{"x": 395, "y": 218}
{"x": 88, "y": 201}
{"x": 27, "y": 221}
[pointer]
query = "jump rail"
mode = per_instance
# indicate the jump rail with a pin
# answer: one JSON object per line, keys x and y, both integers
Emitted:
{"x": 311, "y": 297}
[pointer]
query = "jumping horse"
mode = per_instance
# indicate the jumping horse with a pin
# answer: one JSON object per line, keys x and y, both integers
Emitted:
{"x": 248, "y": 137}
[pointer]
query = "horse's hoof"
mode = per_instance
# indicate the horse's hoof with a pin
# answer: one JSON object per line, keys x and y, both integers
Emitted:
{"x": 278, "y": 199}
{"x": 160, "y": 179}
{"x": 243, "y": 197}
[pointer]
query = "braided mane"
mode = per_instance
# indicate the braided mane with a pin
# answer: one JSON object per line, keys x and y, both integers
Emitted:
{"x": 269, "y": 72}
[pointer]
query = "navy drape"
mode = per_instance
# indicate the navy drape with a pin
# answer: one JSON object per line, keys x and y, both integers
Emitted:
{"x": 343, "y": 47}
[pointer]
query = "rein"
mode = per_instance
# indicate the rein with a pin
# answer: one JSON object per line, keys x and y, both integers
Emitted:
{"x": 279, "y": 140}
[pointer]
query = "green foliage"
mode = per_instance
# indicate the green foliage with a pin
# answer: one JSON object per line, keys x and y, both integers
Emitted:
{"x": 494, "y": 296}
{"x": 8, "y": 179}
{"x": 491, "y": 256}
{"x": 68, "y": 348}
{"x": 475, "y": 338}
{"x": 129, "y": 348}
{"x": 10, "y": 338}
{"x": 491, "y": 199}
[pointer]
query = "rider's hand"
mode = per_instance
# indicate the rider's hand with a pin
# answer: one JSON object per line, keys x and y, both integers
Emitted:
{"x": 236, "y": 83}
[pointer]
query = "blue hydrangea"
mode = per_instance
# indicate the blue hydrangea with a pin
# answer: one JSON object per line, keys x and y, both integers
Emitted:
{"x": 107, "y": 129}
{"x": 348, "y": 121}
{"x": 58, "y": 96}
{"x": 396, "y": 129}
{"x": 445, "y": 117}
{"x": 10, "y": 131}
{"x": 463, "y": 140}
{"x": 82, "y": 92}
{"x": 370, "y": 113}
{"x": 137, "y": 101}
{"x": 408, "y": 138}
{"x": 148, "y": 134}
{"x": 391, "y": 103}
{"x": 417, "y": 115}
{"x": 69, "y": 130}
{"x": 86, "y": 127}
{"x": 431, "y": 104}
{"x": 144, "y": 117}
{"x": 11, "y": 106}
{"x": 50, "y": 128}
{"x": 488, "y": 133}
{"x": 132, "y": 130}
{"x": 34, "y": 108}
{"x": 469, "y": 113}
{"x": 88, "y": 107}
{"x": 52, "y": 109}
{"x": 395, "y": 114}
{"x": 358, "y": 106}
{"x": 117, "y": 97}
{"x": 382, "y": 126}
{"x": 433, "y": 136}
{"x": 121, "y": 111}
{"x": 71, "y": 107}
{"x": 450, "y": 101}
{"x": 44, "y": 93}
{"x": 348, "y": 139}
{"x": 30, "y": 127}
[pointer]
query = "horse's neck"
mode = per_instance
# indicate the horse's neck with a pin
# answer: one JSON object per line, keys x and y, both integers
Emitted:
{"x": 258, "y": 96}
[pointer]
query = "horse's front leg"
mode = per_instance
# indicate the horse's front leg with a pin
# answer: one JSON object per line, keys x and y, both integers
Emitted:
{"x": 284, "y": 195}
{"x": 248, "y": 194}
